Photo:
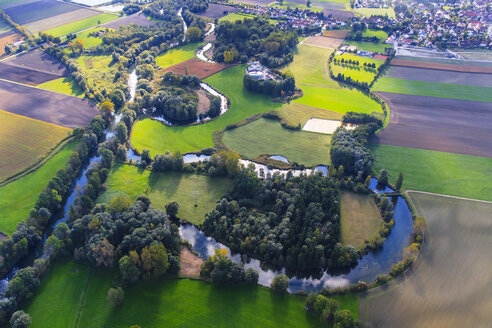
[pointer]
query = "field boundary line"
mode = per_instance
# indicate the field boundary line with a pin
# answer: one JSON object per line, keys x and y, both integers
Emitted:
{"x": 82, "y": 303}
{"x": 449, "y": 196}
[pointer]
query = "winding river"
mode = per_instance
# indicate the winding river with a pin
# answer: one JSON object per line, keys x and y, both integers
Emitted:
{"x": 200, "y": 54}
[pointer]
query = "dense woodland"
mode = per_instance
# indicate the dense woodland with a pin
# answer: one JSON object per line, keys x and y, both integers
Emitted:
{"x": 242, "y": 40}
{"x": 285, "y": 86}
{"x": 283, "y": 221}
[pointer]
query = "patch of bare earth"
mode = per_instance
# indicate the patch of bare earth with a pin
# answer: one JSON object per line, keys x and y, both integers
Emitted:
{"x": 218, "y": 11}
{"x": 7, "y": 39}
{"x": 203, "y": 101}
{"x": 339, "y": 34}
{"x": 190, "y": 264}
{"x": 445, "y": 67}
{"x": 197, "y": 67}
{"x": 323, "y": 41}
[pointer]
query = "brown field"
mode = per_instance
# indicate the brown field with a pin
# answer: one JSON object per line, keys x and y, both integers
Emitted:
{"x": 24, "y": 75}
{"x": 197, "y": 67}
{"x": 203, "y": 101}
{"x": 322, "y": 41}
{"x": 25, "y": 13}
{"x": 450, "y": 283}
{"x": 440, "y": 66}
{"x": 448, "y": 125}
{"x": 340, "y": 14}
{"x": 6, "y": 38}
{"x": 23, "y": 141}
{"x": 51, "y": 107}
{"x": 39, "y": 61}
{"x": 253, "y": 2}
{"x": 190, "y": 264}
{"x": 217, "y": 11}
{"x": 339, "y": 34}
{"x": 138, "y": 19}
{"x": 440, "y": 76}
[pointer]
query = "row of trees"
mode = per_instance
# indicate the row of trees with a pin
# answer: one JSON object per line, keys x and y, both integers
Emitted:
{"x": 283, "y": 221}
{"x": 242, "y": 40}
{"x": 221, "y": 270}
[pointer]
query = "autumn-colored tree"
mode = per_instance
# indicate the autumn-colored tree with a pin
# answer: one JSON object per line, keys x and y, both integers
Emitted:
{"x": 120, "y": 203}
{"x": 193, "y": 34}
{"x": 107, "y": 108}
{"x": 103, "y": 253}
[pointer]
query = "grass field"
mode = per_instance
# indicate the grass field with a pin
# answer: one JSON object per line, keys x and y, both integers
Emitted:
{"x": 89, "y": 41}
{"x": 152, "y": 135}
{"x": 240, "y": 16}
{"x": 437, "y": 172}
{"x": 81, "y": 24}
{"x": 166, "y": 302}
{"x": 269, "y": 137}
{"x": 310, "y": 68}
{"x": 177, "y": 55}
{"x": 300, "y": 114}
{"x": 358, "y": 73}
{"x": 66, "y": 85}
{"x": 167, "y": 187}
{"x": 18, "y": 197}
{"x": 292, "y": 5}
{"x": 98, "y": 69}
{"x": 381, "y": 35}
{"x": 360, "y": 219}
{"x": 431, "y": 89}
{"x": 449, "y": 285}
{"x": 369, "y": 46}
{"x": 23, "y": 141}
{"x": 375, "y": 12}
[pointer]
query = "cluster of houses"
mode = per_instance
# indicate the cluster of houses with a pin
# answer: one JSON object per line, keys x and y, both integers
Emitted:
{"x": 259, "y": 72}
{"x": 371, "y": 4}
{"x": 441, "y": 24}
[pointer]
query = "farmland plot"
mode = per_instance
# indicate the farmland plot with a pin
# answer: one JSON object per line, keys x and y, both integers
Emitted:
{"x": 449, "y": 285}
{"x": 139, "y": 19}
{"x": 218, "y": 11}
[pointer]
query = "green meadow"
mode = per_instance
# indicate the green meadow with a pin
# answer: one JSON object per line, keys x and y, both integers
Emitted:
{"x": 369, "y": 46}
{"x": 66, "y": 85}
{"x": 357, "y": 72}
{"x": 74, "y": 291}
{"x": 432, "y": 89}
{"x": 177, "y": 55}
{"x": 163, "y": 188}
{"x": 269, "y": 137}
{"x": 437, "y": 172}
{"x": 18, "y": 197}
{"x": 81, "y": 24}
{"x": 375, "y": 12}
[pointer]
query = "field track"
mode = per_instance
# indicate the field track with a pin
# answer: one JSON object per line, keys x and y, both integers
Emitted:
{"x": 197, "y": 67}
{"x": 51, "y": 107}
{"x": 448, "y": 125}
{"x": 445, "y": 67}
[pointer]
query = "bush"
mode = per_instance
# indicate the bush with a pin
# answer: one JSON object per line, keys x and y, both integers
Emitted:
{"x": 115, "y": 296}
{"x": 251, "y": 276}
{"x": 344, "y": 319}
{"x": 20, "y": 319}
{"x": 280, "y": 283}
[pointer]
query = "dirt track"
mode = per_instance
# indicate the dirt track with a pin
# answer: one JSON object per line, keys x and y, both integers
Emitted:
{"x": 67, "y": 111}
{"x": 448, "y": 125}
{"x": 197, "y": 67}
{"x": 445, "y": 67}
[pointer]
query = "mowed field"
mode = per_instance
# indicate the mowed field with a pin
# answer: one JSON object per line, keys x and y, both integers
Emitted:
{"x": 449, "y": 285}
{"x": 167, "y": 187}
{"x": 356, "y": 72}
{"x": 299, "y": 114}
{"x": 17, "y": 198}
{"x": 437, "y": 172}
{"x": 265, "y": 136}
{"x": 177, "y": 55}
{"x": 369, "y": 46}
{"x": 310, "y": 69}
{"x": 23, "y": 141}
{"x": 81, "y": 24}
{"x": 166, "y": 302}
{"x": 59, "y": 109}
{"x": 66, "y": 85}
{"x": 158, "y": 138}
{"x": 360, "y": 219}
{"x": 448, "y": 125}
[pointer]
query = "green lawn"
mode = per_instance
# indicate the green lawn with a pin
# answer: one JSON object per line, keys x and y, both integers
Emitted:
{"x": 310, "y": 69}
{"x": 356, "y": 72}
{"x": 293, "y": 5}
{"x": 240, "y": 16}
{"x": 269, "y": 137}
{"x": 18, "y": 197}
{"x": 81, "y": 24}
{"x": 299, "y": 114}
{"x": 152, "y": 135}
{"x": 90, "y": 41}
{"x": 360, "y": 219}
{"x": 375, "y": 12}
{"x": 381, "y": 35}
{"x": 431, "y": 89}
{"x": 166, "y": 302}
{"x": 177, "y": 55}
{"x": 437, "y": 172}
{"x": 66, "y": 85}
{"x": 98, "y": 69}
{"x": 163, "y": 188}
{"x": 369, "y": 46}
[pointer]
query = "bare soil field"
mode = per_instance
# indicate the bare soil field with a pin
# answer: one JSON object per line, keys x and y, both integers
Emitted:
{"x": 440, "y": 76}
{"x": 190, "y": 264}
{"x": 449, "y": 285}
{"x": 203, "y": 101}
{"x": 339, "y": 34}
{"x": 340, "y": 14}
{"x": 62, "y": 19}
{"x": 322, "y": 41}
{"x": 138, "y": 19}
{"x": 197, "y": 67}
{"x": 441, "y": 66}
{"x": 253, "y": 2}
{"x": 25, "y": 13}
{"x": 39, "y": 61}
{"x": 25, "y": 75}
{"x": 217, "y": 11}
{"x": 6, "y": 38}
{"x": 448, "y": 125}
{"x": 51, "y": 107}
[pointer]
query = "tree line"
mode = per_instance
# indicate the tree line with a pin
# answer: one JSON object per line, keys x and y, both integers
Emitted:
{"x": 284, "y": 86}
